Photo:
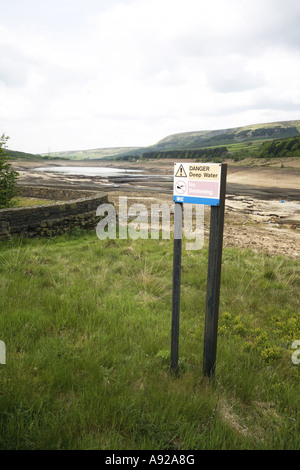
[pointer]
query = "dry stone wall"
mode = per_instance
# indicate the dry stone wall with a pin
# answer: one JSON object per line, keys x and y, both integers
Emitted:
{"x": 53, "y": 218}
{"x": 55, "y": 193}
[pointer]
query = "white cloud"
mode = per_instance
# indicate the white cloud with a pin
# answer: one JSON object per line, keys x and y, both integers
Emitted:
{"x": 86, "y": 74}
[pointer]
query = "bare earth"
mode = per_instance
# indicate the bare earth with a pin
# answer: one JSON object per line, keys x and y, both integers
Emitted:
{"x": 262, "y": 210}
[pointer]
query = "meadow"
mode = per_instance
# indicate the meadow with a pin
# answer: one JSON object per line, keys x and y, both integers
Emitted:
{"x": 87, "y": 325}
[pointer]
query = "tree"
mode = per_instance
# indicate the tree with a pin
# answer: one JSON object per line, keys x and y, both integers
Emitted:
{"x": 8, "y": 176}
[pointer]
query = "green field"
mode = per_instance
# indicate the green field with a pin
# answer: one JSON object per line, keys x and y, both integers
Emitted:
{"x": 87, "y": 325}
{"x": 29, "y": 201}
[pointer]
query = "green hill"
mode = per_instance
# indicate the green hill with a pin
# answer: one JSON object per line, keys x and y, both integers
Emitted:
{"x": 234, "y": 139}
{"x": 16, "y": 155}
{"x": 92, "y": 154}
{"x": 239, "y": 135}
{"x": 237, "y": 141}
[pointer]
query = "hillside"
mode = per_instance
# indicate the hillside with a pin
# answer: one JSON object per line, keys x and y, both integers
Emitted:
{"x": 237, "y": 143}
{"x": 16, "y": 155}
{"x": 92, "y": 154}
{"x": 267, "y": 149}
{"x": 249, "y": 134}
{"x": 239, "y": 140}
{"x": 234, "y": 139}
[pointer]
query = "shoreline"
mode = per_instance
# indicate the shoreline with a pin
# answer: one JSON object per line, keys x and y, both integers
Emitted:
{"x": 262, "y": 205}
{"x": 258, "y": 182}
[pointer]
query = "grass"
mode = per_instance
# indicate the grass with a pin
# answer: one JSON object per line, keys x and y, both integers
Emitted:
{"x": 28, "y": 201}
{"x": 87, "y": 323}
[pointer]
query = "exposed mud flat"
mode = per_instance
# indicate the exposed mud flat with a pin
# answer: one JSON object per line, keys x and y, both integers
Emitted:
{"x": 262, "y": 209}
{"x": 263, "y": 226}
{"x": 259, "y": 182}
{"x": 270, "y": 226}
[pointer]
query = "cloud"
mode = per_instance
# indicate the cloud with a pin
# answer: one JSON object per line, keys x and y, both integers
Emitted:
{"x": 232, "y": 74}
{"x": 90, "y": 73}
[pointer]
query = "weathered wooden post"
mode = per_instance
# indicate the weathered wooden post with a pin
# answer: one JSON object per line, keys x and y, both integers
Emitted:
{"x": 214, "y": 280}
{"x": 200, "y": 183}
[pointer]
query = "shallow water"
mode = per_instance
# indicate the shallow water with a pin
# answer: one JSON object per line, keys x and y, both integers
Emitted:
{"x": 89, "y": 171}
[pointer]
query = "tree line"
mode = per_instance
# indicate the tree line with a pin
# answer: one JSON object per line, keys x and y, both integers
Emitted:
{"x": 211, "y": 154}
{"x": 288, "y": 147}
{"x": 280, "y": 148}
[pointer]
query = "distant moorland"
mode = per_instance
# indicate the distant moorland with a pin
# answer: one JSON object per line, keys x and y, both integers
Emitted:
{"x": 257, "y": 140}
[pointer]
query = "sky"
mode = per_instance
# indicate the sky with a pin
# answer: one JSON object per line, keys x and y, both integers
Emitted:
{"x": 84, "y": 74}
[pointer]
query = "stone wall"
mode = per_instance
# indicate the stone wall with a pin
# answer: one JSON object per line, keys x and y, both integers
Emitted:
{"x": 53, "y": 218}
{"x": 55, "y": 193}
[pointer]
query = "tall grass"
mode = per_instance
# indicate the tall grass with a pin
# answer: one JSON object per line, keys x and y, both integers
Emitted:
{"x": 87, "y": 325}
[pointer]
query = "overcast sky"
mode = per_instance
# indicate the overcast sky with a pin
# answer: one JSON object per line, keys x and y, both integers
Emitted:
{"x": 82, "y": 74}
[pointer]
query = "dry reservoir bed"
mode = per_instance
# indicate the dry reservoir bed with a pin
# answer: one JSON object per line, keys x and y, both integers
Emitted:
{"x": 262, "y": 209}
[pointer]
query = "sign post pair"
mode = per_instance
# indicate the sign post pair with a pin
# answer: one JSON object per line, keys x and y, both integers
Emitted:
{"x": 200, "y": 183}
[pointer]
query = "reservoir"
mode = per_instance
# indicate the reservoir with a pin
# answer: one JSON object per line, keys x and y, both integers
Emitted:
{"x": 89, "y": 171}
{"x": 99, "y": 176}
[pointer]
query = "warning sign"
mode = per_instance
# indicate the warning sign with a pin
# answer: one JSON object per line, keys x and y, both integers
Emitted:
{"x": 204, "y": 172}
{"x": 202, "y": 183}
{"x": 181, "y": 187}
{"x": 181, "y": 173}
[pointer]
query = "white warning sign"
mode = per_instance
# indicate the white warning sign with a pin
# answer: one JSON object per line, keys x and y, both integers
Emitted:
{"x": 197, "y": 183}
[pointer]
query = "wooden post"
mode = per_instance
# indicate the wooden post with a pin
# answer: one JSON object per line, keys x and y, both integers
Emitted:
{"x": 176, "y": 286}
{"x": 213, "y": 280}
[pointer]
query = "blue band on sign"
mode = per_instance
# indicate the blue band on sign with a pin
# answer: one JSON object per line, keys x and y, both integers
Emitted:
{"x": 197, "y": 200}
